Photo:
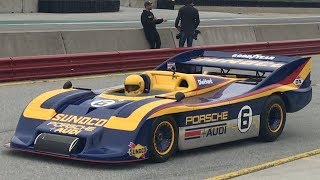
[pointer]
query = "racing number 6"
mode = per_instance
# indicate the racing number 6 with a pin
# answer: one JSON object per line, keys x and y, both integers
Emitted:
{"x": 244, "y": 119}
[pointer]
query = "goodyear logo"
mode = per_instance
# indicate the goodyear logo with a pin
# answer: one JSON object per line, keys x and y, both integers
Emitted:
{"x": 82, "y": 120}
{"x": 137, "y": 151}
{"x": 206, "y": 118}
{"x": 253, "y": 56}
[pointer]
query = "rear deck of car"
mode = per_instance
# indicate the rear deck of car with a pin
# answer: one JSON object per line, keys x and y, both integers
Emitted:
{"x": 229, "y": 91}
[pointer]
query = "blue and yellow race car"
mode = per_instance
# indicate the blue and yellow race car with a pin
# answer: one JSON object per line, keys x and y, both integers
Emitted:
{"x": 194, "y": 99}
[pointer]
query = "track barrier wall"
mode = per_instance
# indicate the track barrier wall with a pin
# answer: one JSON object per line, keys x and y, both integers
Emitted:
{"x": 104, "y": 40}
{"x": 287, "y": 32}
{"x": 53, "y": 66}
{"x": 31, "y": 43}
{"x": 30, "y": 6}
{"x": 11, "y": 6}
{"x": 18, "y": 6}
{"x": 70, "y": 42}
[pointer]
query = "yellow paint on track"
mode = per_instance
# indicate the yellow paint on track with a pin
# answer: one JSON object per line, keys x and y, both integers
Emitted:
{"x": 265, "y": 166}
{"x": 68, "y": 78}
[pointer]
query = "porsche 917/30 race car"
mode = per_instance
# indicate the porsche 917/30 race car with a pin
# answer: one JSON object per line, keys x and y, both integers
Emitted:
{"x": 194, "y": 99}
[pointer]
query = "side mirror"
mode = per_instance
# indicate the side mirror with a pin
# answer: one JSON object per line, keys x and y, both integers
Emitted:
{"x": 179, "y": 96}
{"x": 67, "y": 85}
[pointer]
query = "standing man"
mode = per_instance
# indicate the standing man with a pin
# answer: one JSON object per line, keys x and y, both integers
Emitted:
{"x": 149, "y": 26}
{"x": 189, "y": 17}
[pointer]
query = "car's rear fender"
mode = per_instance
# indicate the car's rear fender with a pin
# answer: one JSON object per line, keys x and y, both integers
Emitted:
{"x": 297, "y": 99}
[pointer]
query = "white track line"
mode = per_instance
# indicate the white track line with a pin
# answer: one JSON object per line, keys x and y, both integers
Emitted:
{"x": 126, "y": 22}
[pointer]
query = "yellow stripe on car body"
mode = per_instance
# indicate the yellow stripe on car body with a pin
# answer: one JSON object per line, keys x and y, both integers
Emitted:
{"x": 131, "y": 122}
{"x": 34, "y": 109}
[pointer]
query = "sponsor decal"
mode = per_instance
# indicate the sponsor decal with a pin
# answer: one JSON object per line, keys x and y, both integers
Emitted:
{"x": 205, "y": 132}
{"x": 73, "y": 125}
{"x": 137, "y": 151}
{"x": 298, "y": 81}
{"x": 205, "y": 81}
{"x": 244, "y": 62}
{"x": 244, "y": 119}
{"x": 206, "y": 118}
{"x": 102, "y": 103}
{"x": 171, "y": 66}
{"x": 82, "y": 120}
{"x": 253, "y": 56}
{"x": 69, "y": 129}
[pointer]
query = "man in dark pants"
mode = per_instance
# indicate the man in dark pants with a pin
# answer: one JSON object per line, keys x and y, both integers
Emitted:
{"x": 189, "y": 17}
{"x": 149, "y": 26}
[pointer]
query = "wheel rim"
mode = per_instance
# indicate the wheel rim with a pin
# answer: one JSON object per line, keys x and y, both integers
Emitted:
{"x": 275, "y": 118}
{"x": 163, "y": 138}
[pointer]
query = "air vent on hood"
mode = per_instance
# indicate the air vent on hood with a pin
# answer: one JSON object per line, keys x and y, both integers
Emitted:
{"x": 55, "y": 143}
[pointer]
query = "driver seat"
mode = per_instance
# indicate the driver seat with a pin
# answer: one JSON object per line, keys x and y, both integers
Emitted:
{"x": 147, "y": 83}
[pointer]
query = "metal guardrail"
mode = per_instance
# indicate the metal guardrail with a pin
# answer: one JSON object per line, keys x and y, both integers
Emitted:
{"x": 53, "y": 66}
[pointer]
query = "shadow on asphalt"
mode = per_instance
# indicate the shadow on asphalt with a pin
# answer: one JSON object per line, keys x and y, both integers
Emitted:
{"x": 71, "y": 162}
{"x": 118, "y": 166}
{"x": 219, "y": 147}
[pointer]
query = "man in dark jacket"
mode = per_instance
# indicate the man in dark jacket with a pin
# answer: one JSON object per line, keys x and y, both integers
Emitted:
{"x": 149, "y": 26}
{"x": 189, "y": 17}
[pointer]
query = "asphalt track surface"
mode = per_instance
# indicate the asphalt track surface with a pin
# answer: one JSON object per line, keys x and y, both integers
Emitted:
{"x": 301, "y": 134}
{"x": 130, "y": 18}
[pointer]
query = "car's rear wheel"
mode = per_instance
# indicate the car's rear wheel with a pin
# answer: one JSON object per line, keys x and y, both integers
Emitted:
{"x": 164, "y": 140}
{"x": 272, "y": 119}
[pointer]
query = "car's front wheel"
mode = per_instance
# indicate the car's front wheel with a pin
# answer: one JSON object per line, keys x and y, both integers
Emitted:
{"x": 164, "y": 140}
{"x": 272, "y": 119}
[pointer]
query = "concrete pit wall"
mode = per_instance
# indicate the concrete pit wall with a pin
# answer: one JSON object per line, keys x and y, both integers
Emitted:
{"x": 111, "y": 40}
{"x": 103, "y": 40}
{"x": 31, "y": 44}
{"x": 226, "y": 35}
{"x": 135, "y": 3}
{"x": 30, "y": 6}
{"x": 11, "y": 6}
{"x": 47, "y": 43}
{"x": 286, "y": 32}
{"x": 18, "y": 6}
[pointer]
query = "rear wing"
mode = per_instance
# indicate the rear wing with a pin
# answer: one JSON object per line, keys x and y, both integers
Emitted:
{"x": 236, "y": 63}
{"x": 193, "y": 61}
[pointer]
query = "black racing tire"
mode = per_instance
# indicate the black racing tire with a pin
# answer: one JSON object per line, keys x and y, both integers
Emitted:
{"x": 164, "y": 131}
{"x": 272, "y": 119}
